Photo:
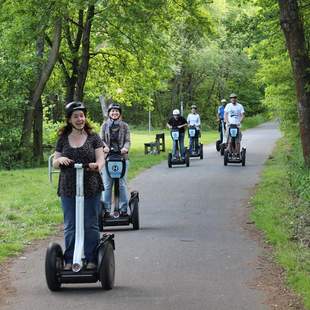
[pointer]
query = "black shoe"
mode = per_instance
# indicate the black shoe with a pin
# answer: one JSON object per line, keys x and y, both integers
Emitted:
{"x": 124, "y": 214}
{"x": 107, "y": 215}
{"x": 91, "y": 266}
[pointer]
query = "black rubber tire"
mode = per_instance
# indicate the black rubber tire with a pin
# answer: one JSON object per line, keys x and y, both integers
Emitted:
{"x": 169, "y": 160}
{"x": 53, "y": 264}
{"x": 222, "y": 150}
{"x": 100, "y": 216}
{"x": 201, "y": 151}
{"x": 135, "y": 214}
{"x": 187, "y": 158}
{"x": 106, "y": 270}
{"x": 218, "y": 145}
{"x": 225, "y": 158}
{"x": 243, "y": 157}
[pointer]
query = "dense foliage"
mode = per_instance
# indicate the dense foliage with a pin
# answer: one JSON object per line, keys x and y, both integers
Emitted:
{"x": 150, "y": 55}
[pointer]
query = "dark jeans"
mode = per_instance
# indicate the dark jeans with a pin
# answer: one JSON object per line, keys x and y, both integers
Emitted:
{"x": 193, "y": 142}
{"x": 181, "y": 146}
{"x": 221, "y": 131}
{"x": 91, "y": 229}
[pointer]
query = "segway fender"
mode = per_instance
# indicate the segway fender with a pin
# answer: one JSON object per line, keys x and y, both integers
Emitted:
{"x": 133, "y": 195}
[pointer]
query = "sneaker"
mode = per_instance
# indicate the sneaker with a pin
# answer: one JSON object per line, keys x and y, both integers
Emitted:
{"x": 124, "y": 213}
{"x": 68, "y": 266}
{"x": 107, "y": 215}
{"x": 91, "y": 266}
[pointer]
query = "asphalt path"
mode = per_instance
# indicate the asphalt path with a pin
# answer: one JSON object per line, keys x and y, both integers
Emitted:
{"x": 191, "y": 252}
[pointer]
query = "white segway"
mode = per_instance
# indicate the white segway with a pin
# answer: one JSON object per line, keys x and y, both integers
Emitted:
{"x": 54, "y": 259}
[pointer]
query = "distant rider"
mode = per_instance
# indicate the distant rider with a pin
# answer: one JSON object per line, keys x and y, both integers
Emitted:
{"x": 234, "y": 114}
{"x": 220, "y": 117}
{"x": 193, "y": 120}
{"x": 178, "y": 121}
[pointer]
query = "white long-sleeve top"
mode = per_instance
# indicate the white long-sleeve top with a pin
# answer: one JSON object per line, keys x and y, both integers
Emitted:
{"x": 193, "y": 119}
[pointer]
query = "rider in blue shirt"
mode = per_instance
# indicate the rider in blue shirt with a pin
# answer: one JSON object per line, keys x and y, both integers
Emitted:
{"x": 220, "y": 116}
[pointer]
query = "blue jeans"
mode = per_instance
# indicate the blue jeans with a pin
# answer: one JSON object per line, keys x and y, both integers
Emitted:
{"x": 181, "y": 145}
{"x": 123, "y": 191}
{"x": 91, "y": 235}
{"x": 193, "y": 144}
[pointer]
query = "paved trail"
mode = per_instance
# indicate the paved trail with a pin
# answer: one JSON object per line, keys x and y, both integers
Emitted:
{"x": 191, "y": 253}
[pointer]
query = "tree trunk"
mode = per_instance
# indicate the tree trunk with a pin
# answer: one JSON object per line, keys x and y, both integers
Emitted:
{"x": 38, "y": 133}
{"x": 38, "y": 89}
{"x": 292, "y": 26}
{"x": 37, "y": 148}
{"x": 83, "y": 68}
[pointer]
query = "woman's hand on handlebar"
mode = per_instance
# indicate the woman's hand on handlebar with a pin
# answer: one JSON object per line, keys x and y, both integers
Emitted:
{"x": 64, "y": 161}
{"x": 124, "y": 150}
{"x": 106, "y": 149}
{"x": 93, "y": 167}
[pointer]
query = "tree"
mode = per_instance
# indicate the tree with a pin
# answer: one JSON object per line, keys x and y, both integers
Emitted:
{"x": 293, "y": 28}
{"x": 34, "y": 110}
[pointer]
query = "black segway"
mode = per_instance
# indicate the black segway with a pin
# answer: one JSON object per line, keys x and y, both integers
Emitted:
{"x": 178, "y": 160}
{"x": 232, "y": 157}
{"x": 195, "y": 148}
{"x": 220, "y": 144}
{"x": 116, "y": 167}
{"x": 54, "y": 259}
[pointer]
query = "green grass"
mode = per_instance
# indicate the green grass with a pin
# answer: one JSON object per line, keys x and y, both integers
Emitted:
{"x": 277, "y": 212}
{"x": 253, "y": 121}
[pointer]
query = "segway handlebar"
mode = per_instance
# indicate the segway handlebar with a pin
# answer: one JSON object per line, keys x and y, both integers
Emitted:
{"x": 74, "y": 165}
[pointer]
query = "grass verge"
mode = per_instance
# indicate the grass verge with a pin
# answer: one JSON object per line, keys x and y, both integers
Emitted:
{"x": 281, "y": 211}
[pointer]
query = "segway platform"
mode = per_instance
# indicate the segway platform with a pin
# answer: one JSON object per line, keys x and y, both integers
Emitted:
{"x": 233, "y": 159}
{"x": 178, "y": 161}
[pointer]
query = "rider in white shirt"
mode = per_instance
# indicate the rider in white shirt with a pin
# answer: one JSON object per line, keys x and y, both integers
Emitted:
{"x": 193, "y": 120}
{"x": 234, "y": 114}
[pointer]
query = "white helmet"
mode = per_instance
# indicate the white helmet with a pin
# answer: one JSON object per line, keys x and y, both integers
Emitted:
{"x": 176, "y": 112}
{"x": 223, "y": 101}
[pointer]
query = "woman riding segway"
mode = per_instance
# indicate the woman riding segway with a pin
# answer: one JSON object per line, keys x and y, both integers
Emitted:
{"x": 87, "y": 258}
{"x": 115, "y": 135}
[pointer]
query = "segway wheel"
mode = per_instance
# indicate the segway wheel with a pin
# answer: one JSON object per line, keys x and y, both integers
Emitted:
{"x": 169, "y": 160}
{"x": 135, "y": 214}
{"x": 225, "y": 158}
{"x": 187, "y": 158}
{"x": 218, "y": 145}
{"x": 100, "y": 217}
{"x": 243, "y": 157}
{"x": 201, "y": 151}
{"x": 53, "y": 265}
{"x": 107, "y": 267}
{"x": 222, "y": 148}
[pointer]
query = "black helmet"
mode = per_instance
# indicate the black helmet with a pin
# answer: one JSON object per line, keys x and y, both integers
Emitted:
{"x": 115, "y": 106}
{"x": 74, "y": 106}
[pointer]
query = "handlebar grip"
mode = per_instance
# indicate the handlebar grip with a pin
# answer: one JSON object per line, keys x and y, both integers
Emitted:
{"x": 72, "y": 166}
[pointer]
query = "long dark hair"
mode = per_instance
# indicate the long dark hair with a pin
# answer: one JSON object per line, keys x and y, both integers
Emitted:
{"x": 67, "y": 128}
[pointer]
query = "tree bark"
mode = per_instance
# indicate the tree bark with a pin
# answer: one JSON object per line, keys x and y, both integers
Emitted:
{"x": 293, "y": 28}
{"x": 38, "y": 89}
{"x": 37, "y": 148}
{"x": 84, "y": 65}
{"x": 38, "y": 133}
